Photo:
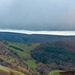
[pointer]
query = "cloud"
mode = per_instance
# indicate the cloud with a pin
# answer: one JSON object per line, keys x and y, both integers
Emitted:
{"x": 63, "y": 33}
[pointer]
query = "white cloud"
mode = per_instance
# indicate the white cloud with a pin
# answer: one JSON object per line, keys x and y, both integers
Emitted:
{"x": 65, "y": 33}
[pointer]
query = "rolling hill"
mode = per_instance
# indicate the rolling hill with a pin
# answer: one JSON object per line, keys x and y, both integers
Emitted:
{"x": 35, "y": 38}
{"x": 14, "y": 58}
{"x": 57, "y": 55}
{"x": 22, "y": 54}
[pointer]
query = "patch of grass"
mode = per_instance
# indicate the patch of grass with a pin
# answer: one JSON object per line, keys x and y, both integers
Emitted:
{"x": 10, "y": 70}
{"x": 4, "y": 68}
{"x": 25, "y": 46}
{"x": 20, "y": 53}
{"x": 31, "y": 63}
{"x": 10, "y": 60}
{"x": 55, "y": 72}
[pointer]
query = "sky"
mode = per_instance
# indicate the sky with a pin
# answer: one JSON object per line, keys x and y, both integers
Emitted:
{"x": 37, "y": 15}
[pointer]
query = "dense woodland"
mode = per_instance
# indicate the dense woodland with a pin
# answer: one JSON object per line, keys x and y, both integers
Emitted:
{"x": 57, "y": 55}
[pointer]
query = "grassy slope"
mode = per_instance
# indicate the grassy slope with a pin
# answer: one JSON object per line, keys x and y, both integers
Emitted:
{"x": 55, "y": 72}
{"x": 6, "y": 69}
{"x": 31, "y": 63}
{"x": 27, "y": 48}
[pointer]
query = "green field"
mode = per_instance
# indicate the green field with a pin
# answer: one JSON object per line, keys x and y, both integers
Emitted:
{"x": 6, "y": 69}
{"x": 55, "y": 72}
{"x": 26, "y": 47}
{"x": 31, "y": 63}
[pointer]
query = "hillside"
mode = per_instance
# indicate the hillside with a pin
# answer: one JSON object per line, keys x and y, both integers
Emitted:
{"x": 58, "y": 55}
{"x": 15, "y": 57}
{"x": 36, "y": 54}
{"x": 35, "y": 38}
{"x": 36, "y": 58}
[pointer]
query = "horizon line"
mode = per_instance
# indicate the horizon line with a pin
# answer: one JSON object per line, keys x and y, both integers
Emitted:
{"x": 62, "y": 33}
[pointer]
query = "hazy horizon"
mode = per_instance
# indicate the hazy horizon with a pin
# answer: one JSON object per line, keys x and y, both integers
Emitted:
{"x": 63, "y": 33}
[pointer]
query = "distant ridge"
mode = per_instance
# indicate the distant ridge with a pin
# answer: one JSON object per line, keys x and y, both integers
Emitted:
{"x": 33, "y": 38}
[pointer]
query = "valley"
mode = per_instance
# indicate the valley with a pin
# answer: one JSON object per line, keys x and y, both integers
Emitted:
{"x": 28, "y": 58}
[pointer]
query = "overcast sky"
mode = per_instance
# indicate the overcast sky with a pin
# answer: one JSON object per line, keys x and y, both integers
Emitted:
{"x": 48, "y": 15}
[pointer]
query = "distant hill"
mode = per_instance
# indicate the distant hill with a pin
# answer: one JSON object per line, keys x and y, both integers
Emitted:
{"x": 35, "y": 38}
